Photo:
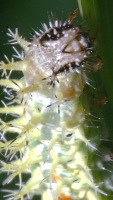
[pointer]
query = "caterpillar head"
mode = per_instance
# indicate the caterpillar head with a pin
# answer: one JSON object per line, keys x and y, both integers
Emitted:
{"x": 56, "y": 55}
{"x": 60, "y": 48}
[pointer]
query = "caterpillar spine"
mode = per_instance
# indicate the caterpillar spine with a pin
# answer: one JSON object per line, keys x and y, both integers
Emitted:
{"x": 49, "y": 115}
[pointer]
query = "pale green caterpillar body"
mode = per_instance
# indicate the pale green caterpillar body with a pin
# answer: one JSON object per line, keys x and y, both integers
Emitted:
{"x": 49, "y": 123}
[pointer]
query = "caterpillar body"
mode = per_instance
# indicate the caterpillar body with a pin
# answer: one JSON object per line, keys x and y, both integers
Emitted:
{"x": 49, "y": 117}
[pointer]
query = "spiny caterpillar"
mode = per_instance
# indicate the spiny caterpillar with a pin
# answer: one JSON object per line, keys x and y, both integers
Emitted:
{"x": 48, "y": 124}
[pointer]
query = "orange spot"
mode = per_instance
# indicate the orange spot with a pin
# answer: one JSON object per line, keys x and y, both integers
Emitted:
{"x": 56, "y": 177}
{"x": 64, "y": 197}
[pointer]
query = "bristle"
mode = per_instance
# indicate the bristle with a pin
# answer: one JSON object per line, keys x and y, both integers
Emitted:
{"x": 45, "y": 27}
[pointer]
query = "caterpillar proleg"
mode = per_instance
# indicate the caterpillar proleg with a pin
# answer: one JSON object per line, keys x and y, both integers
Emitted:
{"x": 49, "y": 140}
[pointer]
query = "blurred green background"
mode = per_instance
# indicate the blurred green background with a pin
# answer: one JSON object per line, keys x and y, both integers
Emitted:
{"x": 99, "y": 20}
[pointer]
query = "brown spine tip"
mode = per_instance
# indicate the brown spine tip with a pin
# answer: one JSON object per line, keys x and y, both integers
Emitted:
{"x": 72, "y": 16}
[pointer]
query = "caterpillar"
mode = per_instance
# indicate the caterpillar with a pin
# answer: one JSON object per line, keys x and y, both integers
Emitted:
{"x": 46, "y": 115}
